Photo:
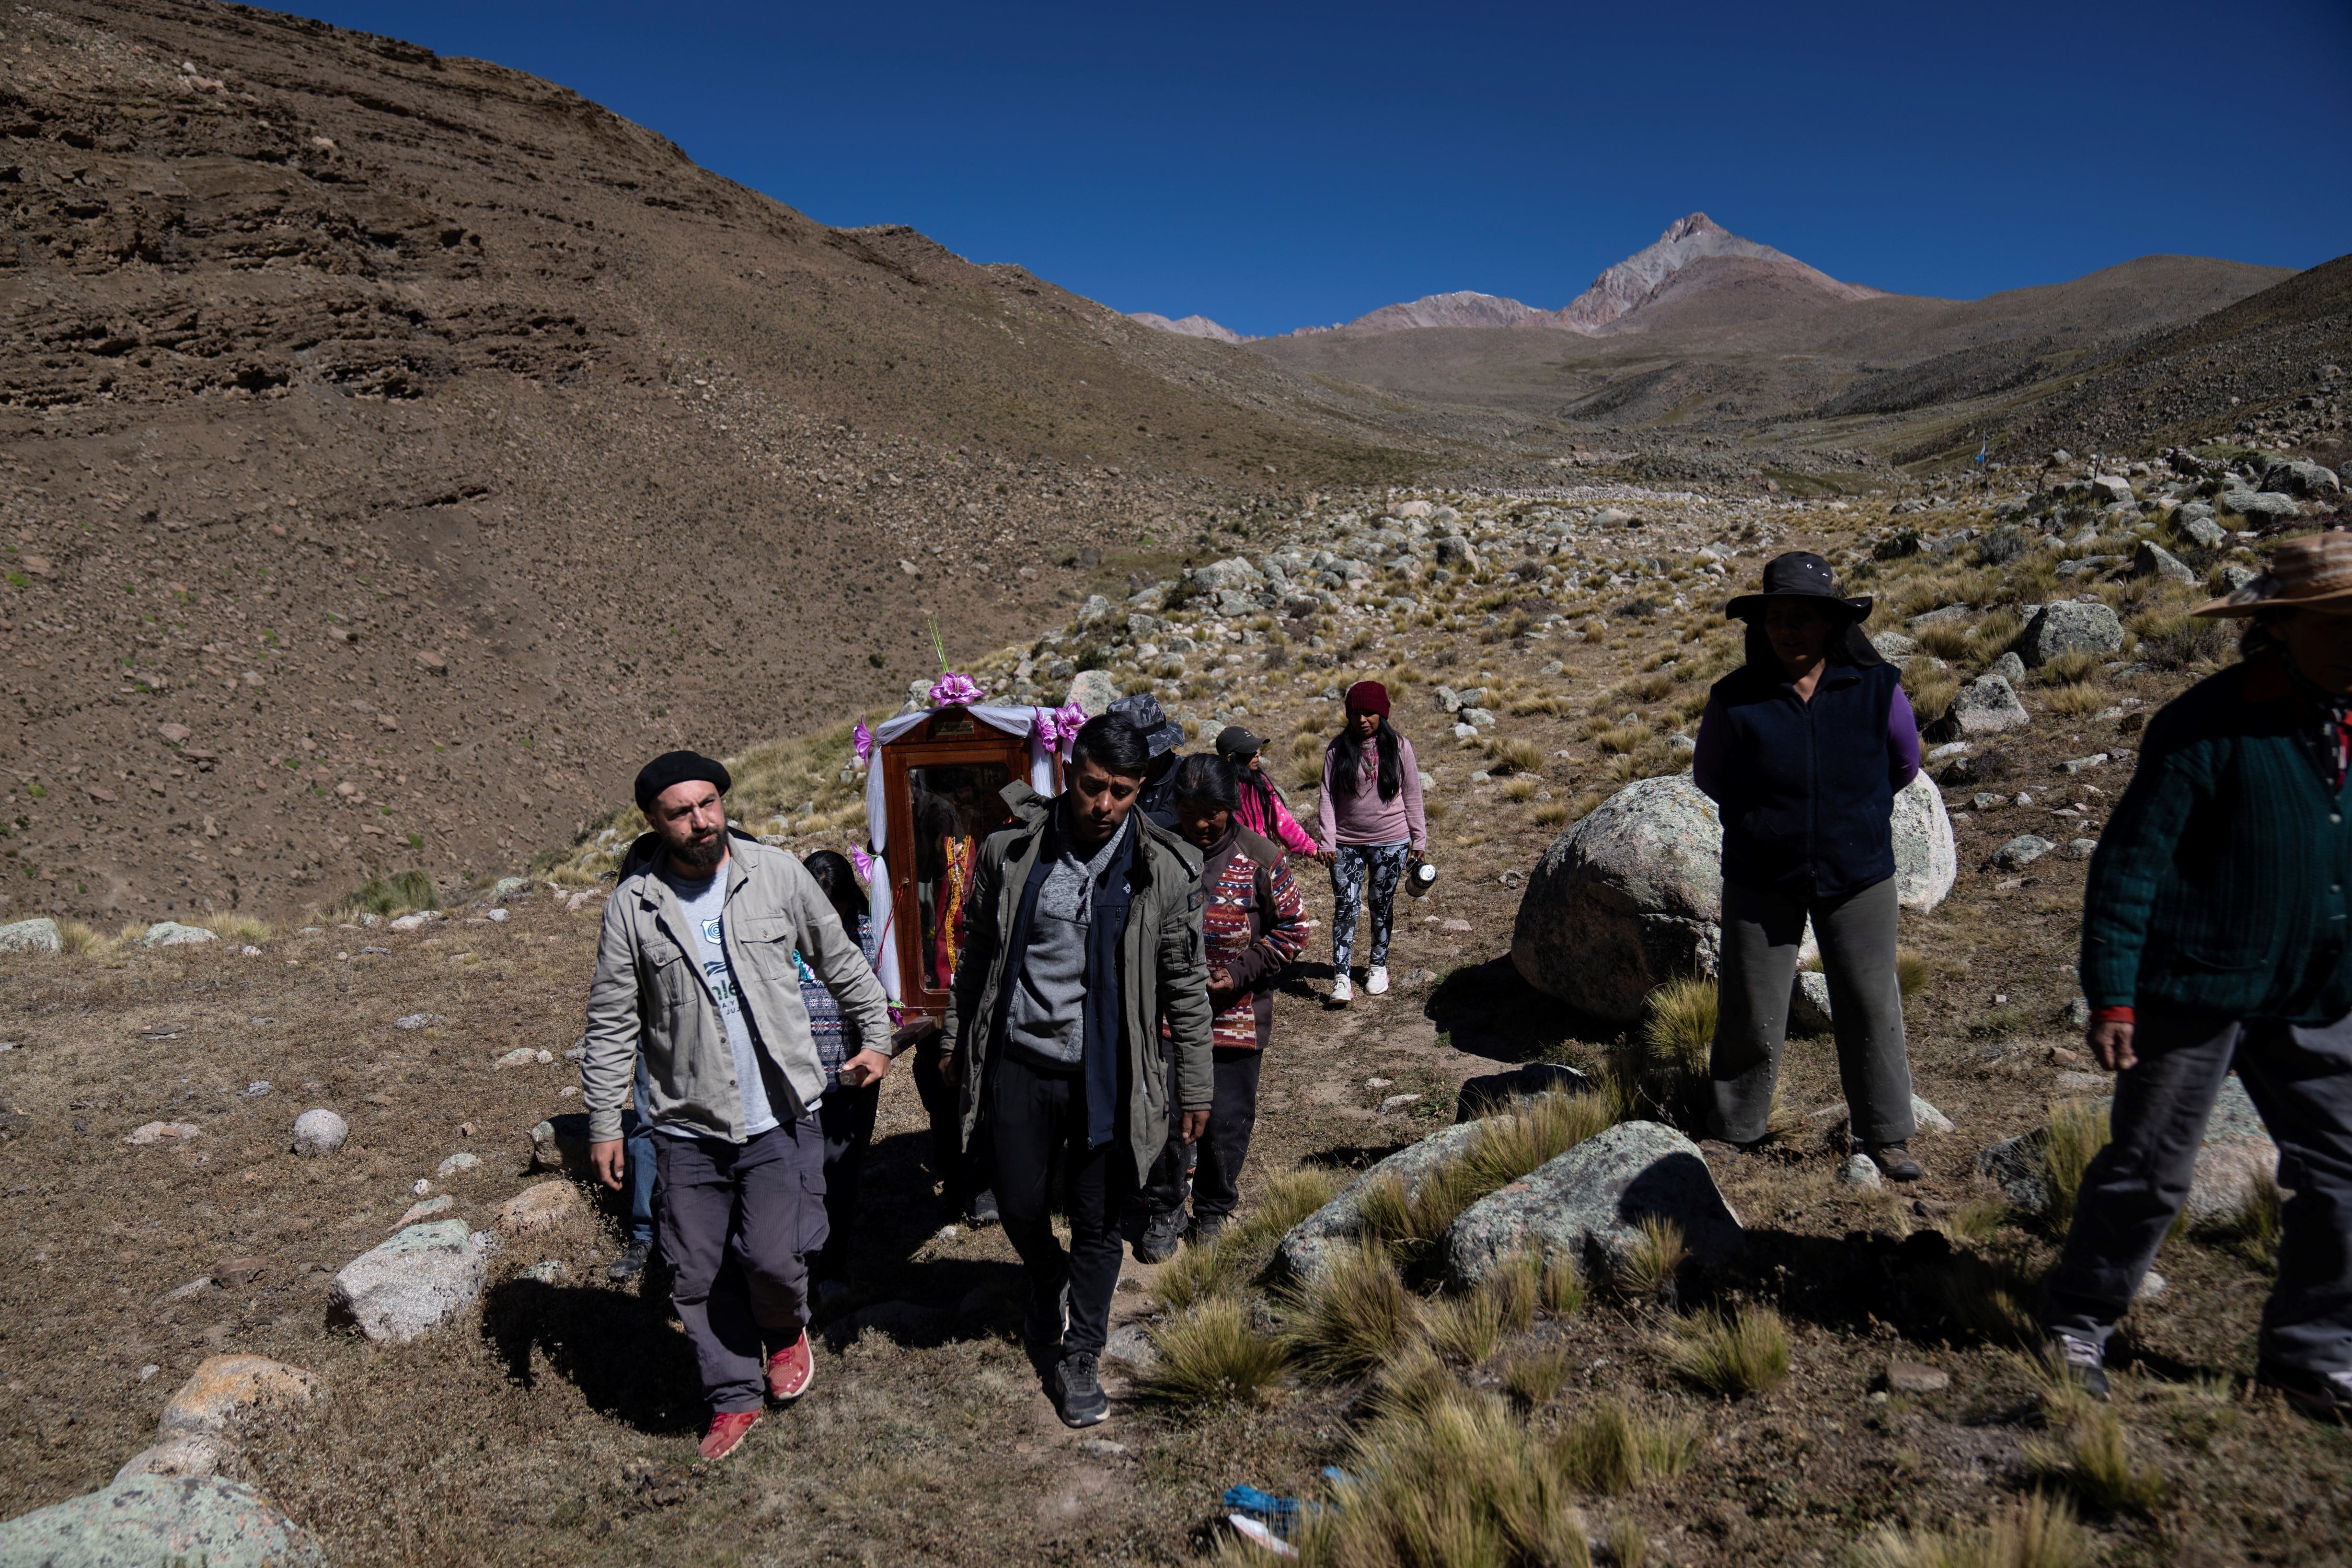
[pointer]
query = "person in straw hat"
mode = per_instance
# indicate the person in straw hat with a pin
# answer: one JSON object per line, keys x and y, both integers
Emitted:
{"x": 1802, "y": 749}
{"x": 2217, "y": 934}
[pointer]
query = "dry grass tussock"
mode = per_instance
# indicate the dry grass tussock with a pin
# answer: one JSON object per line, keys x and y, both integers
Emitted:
{"x": 1524, "y": 1134}
{"x": 2088, "y": 1456}
{"x": 1459, "y": 1480}
{"x": 2037, "y": 1532}
{"x": 409, "y": 892}
{"x": 1742, "y": 1353}
{"x": 1356, "y": 1317}
{"x": 1610, "y": 1450}
{"x": 1667, "y": 1058}
{"x": 239, "y": 928}
{"x": 78, "y": 939}
{"x": 1649, "y": 1269}
{"x": 2074, "y": 1133}
{"x": 1211, "y": 1356}
{"x": 1991, "y": 1295}
{"x": 1224, "y": 1266}
{"x": 1510, "y": 755}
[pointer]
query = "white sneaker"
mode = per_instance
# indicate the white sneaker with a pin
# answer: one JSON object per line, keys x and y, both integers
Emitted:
{"x": 1343, "y": 991}
{"x": 1376, "y": 979}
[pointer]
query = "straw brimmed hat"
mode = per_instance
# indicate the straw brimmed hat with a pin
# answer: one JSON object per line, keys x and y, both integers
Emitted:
{"x": 2314, "y": 572}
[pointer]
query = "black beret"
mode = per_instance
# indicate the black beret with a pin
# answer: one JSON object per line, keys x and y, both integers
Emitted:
{"x": 677, "y": 768}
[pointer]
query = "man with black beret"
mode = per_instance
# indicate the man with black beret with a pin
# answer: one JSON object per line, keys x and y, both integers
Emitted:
{"x": 695, "y": 977}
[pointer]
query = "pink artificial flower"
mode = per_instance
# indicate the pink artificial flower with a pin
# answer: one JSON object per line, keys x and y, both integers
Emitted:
{"x": 862, "y": 739}
{"x": 1046, "y": 726}
{"x": 862, "y": 863}
{"x": 955, "y": 687}
{"x": 1072, "y": 718}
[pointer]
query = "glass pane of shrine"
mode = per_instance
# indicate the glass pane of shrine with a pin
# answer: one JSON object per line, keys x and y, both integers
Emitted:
{"x": 953, "y": 806}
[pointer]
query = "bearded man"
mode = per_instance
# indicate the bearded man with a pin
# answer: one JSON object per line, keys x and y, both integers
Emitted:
{"x": 695, "y": 973}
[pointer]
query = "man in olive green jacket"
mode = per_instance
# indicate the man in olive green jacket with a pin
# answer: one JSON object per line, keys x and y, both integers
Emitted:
{"x": 1082, "y": 929}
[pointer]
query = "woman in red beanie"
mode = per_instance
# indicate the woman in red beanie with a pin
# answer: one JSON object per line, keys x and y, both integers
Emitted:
{"x": 1370, "y": 818}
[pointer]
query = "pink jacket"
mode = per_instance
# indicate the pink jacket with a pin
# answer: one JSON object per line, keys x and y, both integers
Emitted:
{"x": 1364, "y": 817}
{"x": 1261, "y": 802}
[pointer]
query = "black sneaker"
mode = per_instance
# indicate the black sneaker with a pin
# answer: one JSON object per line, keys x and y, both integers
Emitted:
{"x": 632, "y": 1263}
{"x": 2078, "y": 1359}
{"x": 2325, "y": 1395}
{"x": 1078, "y": 1391}
{"x": 984, "y": 1210}
{"x": 1162, "y": 1234}
{"x": 1206, "y": 1228}
{"x": 1049, "y": 1321}
{"x": 1894, "y": 1161}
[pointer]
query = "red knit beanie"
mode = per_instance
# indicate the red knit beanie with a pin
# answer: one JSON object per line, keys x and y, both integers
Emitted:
{"x": 1368, "y": 697}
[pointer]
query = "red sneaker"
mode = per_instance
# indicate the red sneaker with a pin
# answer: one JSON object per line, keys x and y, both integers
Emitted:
{"x": 790, "y": 1371}
{"x": 728, "y": 1430}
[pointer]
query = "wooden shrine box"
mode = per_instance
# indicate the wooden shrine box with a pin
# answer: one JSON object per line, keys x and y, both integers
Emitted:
{"x": 942, "y": 786}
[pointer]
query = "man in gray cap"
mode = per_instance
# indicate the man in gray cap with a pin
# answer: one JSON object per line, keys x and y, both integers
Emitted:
{"x": 1163, "y": 735}
{"x": 695, "y": 973}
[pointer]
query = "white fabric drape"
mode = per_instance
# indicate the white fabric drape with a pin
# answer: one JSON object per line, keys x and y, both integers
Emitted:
{"x": 1022, "y": 721}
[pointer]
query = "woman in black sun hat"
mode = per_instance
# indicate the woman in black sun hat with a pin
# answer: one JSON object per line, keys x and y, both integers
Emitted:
{"x": 1802, "y": 749}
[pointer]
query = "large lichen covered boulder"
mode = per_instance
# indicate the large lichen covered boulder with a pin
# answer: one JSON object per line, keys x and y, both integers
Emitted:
{"x": 1624, "y": 901}
{"x": 1308, "y": 1248}
{"x": 145, "y": 1520}
{"x": 1589, "y": 1203}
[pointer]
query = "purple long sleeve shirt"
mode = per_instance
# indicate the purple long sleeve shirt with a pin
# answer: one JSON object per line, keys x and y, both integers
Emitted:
{"x": 1712, "y": 761}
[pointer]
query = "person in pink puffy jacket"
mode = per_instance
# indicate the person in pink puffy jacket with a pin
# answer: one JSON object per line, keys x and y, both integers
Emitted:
{"x": 1262, "y": 809}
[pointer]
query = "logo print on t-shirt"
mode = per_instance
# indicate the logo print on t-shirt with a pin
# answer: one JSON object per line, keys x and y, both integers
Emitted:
{"x": 713, "y": 930}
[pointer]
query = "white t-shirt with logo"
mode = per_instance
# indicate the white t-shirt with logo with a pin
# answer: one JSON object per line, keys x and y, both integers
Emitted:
{"x": 705, "y": 905}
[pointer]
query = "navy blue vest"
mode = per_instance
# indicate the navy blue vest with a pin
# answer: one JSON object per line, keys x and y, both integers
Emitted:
{"x": 1808, "y": 800}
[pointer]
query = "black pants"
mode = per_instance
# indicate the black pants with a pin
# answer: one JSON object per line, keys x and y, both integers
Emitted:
{"x": 1033, "y": 1116}
{"x": 943, "y": 1104}
{"x": 738, "y": 1222}
{"x": 1217, "y": 1160}
{"x": 846, "y": 1118}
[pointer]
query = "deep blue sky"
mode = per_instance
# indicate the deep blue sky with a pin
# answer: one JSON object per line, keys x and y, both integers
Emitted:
{"x": 1275, "y": 166}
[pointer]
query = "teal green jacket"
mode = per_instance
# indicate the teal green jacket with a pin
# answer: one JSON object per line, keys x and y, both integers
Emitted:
{"x": 2219, "y": 886}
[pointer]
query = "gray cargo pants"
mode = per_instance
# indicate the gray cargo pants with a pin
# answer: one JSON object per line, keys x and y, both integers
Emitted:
{"x": 1761, "y": 933}
{"x": 739, "y": 1223}
{"x": 2301, "y": 1081}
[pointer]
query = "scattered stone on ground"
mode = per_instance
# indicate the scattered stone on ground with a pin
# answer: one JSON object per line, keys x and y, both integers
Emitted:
{"x": 319, "y": 1132}
{"x": 1915, "y": 1377}
{"x": 412, "y": 1284}
{"x": 172, "y": 933}
{"x": 148, "y": 1133}
{"x": 40, "y": 935}
{"x": 541, "y": 1206}
{"x": 2237, "y": 1151}
{"x": 2020, "y": 852}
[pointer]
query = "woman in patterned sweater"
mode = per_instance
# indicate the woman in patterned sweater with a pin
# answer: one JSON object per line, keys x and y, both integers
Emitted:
{"x": 1255, "y": 923}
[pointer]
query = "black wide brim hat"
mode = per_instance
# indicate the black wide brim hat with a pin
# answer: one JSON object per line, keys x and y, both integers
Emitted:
{"x": 1799, "y": 575}
{"x": 1160, "y": 732}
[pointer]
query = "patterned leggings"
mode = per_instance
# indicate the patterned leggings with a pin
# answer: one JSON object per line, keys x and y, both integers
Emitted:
{"x": 1384, "y": 864}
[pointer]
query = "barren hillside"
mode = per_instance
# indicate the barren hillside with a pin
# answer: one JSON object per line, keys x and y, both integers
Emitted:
{"x": 396, "y": 449}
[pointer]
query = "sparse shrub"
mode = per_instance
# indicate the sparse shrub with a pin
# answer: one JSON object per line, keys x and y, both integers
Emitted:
{"x": 2068, "y": 669}
{"x": 1211, "y": 1356}
{"x": 1520, "y": 788}
{"x": 1995, "y": 632}
{"x": 1743, "y": 1353}
{"x": 1611, "y": 1450}
{"x": 1563, "y": 1286}
{"x": 1469, "y": 1327}
{"x": 1678, "y": 1036}
{"x": 1647, "y": 1269}
{"x": 236, "y": 928}
{"x": 1356, "y": 1316}
{"x": 1617, "y": 739}
{"x": 2084, "y": 696}
{"x": 1535, "y": 1377}
{"x": 398, "y": 895}
{"x": 1912, "y": 971}
{"x": 1943, "y": 639}
{"x": 2179, "y": 641}
{"x": 1197, "y": 1273}
{"x": 1462, "y": 1481}
{"x": 2089, "y": 1459}
{"x": 1552, "y": 814}
{"x": 2038, "y": 1532}
{"x": 1514, "y": 755}
{"x": 2075, "y": 1133}
{"x": 1644, "y": 687}
{"x": 1516, "y": 1287}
